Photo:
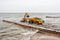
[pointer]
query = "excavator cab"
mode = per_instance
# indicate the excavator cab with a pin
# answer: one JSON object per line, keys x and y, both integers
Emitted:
{"x": 25, "y": 17}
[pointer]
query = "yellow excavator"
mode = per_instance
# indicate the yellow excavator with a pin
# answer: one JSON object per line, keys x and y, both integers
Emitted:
{"x": 34, "y": 20}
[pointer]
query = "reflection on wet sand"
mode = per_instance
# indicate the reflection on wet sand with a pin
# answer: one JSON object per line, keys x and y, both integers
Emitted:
{"x": 15, "y": 32}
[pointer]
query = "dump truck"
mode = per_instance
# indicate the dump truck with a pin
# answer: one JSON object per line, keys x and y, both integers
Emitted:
{"x": 33, "y": 20}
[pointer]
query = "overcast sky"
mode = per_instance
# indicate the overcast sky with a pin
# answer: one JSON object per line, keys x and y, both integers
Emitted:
{"x": 30, "y": 6}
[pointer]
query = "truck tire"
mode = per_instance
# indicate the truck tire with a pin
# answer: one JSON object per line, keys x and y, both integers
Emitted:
{"x": 37, "y": 23}
{"x": 30, "y": 21}
{"x": 40, "y": 23}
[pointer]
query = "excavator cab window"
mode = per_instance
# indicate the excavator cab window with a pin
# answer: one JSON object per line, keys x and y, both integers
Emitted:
{"x": 27, "y": 15}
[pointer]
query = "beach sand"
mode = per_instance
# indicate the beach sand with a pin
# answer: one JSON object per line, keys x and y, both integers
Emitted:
{"x": 14, "y": 32}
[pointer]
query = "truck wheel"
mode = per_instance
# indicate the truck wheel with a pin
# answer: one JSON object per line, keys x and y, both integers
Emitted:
{"x": 31, "y": 22}
{"x": 40, "y": 23}
{"x": 37, "y": 23}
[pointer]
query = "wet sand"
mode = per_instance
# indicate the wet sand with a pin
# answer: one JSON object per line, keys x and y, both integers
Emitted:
{"x": 14, "y": 32}
{"x": 40, "y": 36}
